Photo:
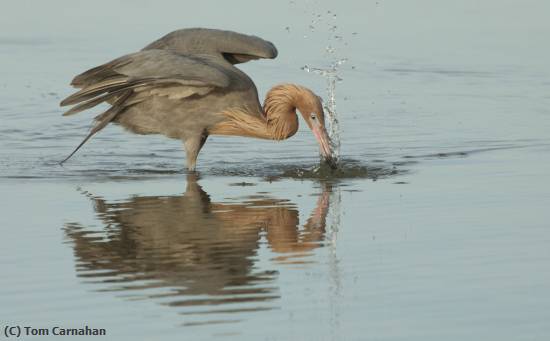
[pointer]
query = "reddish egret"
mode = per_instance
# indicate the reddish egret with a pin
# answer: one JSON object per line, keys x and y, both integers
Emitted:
{"x": 185, "y": 86}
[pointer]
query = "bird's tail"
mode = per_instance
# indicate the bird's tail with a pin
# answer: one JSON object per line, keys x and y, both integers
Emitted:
{"x": 103, "y": 119}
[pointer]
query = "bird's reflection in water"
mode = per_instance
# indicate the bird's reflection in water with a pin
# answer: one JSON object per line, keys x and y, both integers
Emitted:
{"x": 189, "y": 252}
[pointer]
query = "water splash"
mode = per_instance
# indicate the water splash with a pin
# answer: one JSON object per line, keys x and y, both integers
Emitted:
{"x": 324, "y": 23}
{"x": 323, "y": 28}
{"x": 332, "y": 77}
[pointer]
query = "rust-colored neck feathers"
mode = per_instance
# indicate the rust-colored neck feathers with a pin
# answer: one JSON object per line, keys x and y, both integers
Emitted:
{"x": 278, "y": 121}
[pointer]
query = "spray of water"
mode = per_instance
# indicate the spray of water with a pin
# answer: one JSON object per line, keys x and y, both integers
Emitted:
{"x": 331, "y": 76}
{"x": 335, "y": 40}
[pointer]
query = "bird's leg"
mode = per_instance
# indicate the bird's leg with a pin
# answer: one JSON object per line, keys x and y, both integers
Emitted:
{"x": 193, "y": 146}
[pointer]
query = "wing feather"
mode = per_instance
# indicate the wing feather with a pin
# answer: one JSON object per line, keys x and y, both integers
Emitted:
{"x": 152, "y": 70}
{"x": 102, "y": 121}
{"x": 136, "y": 77}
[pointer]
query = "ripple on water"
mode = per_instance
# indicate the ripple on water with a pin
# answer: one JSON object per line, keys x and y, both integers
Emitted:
{"x": 119, "y": 170}
{"x": 347, "y": 169}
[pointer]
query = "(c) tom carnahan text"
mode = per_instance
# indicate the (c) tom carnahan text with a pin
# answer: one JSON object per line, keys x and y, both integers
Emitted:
{"x": 18, "y": 331}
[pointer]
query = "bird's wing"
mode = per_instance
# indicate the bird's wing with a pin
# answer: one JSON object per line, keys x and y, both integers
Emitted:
{"x": 159, "y": 72}
{"x": 136, "y": 77}
{"x": 232, "y": 46}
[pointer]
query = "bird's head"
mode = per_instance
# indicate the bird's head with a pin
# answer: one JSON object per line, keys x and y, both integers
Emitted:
{"x": 310, "y": 107}
{"x": 280, "y": 106}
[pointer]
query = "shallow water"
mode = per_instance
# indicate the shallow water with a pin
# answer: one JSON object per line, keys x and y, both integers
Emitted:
{"x": 437, "y": 229}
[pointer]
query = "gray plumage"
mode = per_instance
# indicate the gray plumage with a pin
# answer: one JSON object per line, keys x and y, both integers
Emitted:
{"x": 175, "y": 86}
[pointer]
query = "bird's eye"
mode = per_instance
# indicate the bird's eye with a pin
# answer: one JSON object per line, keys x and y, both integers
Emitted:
{"x": 313, "y": 116}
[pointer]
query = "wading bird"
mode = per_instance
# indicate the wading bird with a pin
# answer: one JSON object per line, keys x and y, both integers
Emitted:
{"x": 185, "y": 86}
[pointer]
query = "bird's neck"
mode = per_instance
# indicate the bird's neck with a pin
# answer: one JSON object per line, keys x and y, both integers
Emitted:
{"x": 280, "y": 111}
{"x": 277, "y": 121}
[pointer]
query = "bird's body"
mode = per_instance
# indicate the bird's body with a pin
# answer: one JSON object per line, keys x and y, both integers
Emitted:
{"x": 184, "y": 115}
{"x": 185, "y": 86}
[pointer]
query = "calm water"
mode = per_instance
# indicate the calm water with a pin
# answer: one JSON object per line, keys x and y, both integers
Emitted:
{"x": 446, "y": 237}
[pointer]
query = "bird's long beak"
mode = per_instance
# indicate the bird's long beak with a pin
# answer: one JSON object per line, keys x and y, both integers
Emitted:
{"x": 324, "y": 144}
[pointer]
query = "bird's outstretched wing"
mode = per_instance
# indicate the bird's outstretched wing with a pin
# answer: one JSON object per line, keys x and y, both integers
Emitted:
{"x": 232, "y": 46}
{"x": 136, "y": 77}
{"x": 146, "y": 70}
